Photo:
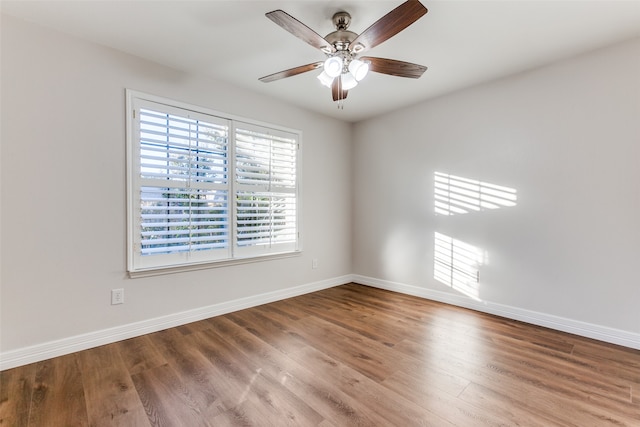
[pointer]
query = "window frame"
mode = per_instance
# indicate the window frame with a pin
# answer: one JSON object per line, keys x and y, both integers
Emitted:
{"x": 176, "y": 262}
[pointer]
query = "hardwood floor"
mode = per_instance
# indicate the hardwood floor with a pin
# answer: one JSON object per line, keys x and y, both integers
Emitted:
{"x": 346, "y": 356}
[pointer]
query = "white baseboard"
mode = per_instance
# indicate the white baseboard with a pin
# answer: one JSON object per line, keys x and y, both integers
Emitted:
{"x": 602, "y": 333}
{"x": 37, "y": 353}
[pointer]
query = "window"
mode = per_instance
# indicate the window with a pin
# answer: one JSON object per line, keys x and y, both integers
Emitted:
{"x": 204, "y": 188}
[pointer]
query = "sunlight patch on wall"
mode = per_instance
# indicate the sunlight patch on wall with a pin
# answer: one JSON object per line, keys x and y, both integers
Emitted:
{"x": 456, "y": 263}
{"x": 455, "y": 195}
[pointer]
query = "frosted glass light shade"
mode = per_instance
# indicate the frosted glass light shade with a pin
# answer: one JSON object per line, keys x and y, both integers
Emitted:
{"x": 348, "y": 81}
{"x": 325, "y": 79}
{"x": 359, "y": 69}
{"x": 333, "y": 66}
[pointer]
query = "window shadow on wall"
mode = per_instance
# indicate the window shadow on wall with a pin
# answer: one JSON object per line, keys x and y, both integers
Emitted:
{"x": 456, "y": 263}
{"x": 455, "y": 195}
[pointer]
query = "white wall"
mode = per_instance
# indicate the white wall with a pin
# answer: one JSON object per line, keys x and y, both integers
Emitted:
{"x": 567, "y": 138}
{"x": 63, "y": 191}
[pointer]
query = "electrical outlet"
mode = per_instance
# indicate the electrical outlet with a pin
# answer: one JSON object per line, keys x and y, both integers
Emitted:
{"x": 117, "y": 296}
{"x": 314, "y": 263}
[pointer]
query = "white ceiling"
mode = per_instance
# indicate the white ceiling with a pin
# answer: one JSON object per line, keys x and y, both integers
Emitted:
{"x": 463, "y": 42}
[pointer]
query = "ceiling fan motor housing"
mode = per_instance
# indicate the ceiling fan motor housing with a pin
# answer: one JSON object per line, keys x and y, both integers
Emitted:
{"x": 341, "y": 38}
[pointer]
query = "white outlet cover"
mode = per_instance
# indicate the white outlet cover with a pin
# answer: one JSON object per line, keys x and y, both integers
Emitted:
{"x": 117, "y": 296}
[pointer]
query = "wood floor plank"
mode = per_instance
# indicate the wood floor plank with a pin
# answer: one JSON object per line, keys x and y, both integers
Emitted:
{"x": 58, "y": 397}
{"x": 578, "y": 389}
{"x": 533, "y": 337}
{"x": 109, "y": 391}
{"x": 249, "y": 393}
{"x": 192, "y": 368}
{"x": 326, "y": 399}
{"x": 287, "y": 308}
{"x": 262, "y": 354}
{"x": 413, "y": 308}
{"x": 139, "y": 354}
{"x": 513, "y": 377}
{"x": 16, "y": 389}
{"x": 313, "y": 303}
{"x": 377, "y": 398}
{"x": 514, "y": 408}
{"x": 371, "y": 326}
{"x": 453, "y": 409}
{"x": 277, "y": 333}
{"x": 362, "y": 353}
{"x": 546, "y": 407}
{"x": 348, "y": 355}
{"x": 268, "y": 403}
{"x": 613, "y": 360}
{"x": 576, "y": 376}
{"x": 166, "y": 400}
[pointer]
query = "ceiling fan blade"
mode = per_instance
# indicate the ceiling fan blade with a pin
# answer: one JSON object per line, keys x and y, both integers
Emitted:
{"x": 291, "y": 72}
{"x": 337, "y": 92}
{"x": 389, "y": 25}
{"x": 300, "y": 30}
{"x": 395, "y": 67}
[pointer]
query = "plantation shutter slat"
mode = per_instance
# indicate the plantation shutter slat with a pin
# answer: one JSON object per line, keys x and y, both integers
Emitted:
{"x": 204, "y": 188}
{"x": 182, "y": 148}
{"x": 183, "y": 220}
{"x": 184, "y": 200}
{"x": 266, "y": 158}
{"x": 266, "y": 187}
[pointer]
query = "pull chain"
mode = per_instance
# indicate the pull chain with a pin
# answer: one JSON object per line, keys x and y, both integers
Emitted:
{"x": 340, "y": 98}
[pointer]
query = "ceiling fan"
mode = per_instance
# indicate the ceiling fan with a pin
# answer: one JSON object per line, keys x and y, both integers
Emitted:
{"x": 344, "y": 67}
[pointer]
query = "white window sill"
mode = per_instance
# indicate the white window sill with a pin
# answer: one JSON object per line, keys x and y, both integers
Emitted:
{"x": 158, "y": 271}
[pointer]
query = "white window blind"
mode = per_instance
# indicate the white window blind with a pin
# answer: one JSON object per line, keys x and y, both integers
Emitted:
{"x": 204, "y": 188}
{"x": 265, "y": 188}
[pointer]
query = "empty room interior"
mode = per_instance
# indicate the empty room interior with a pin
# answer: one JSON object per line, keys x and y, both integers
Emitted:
{"x": 203, "y": 222}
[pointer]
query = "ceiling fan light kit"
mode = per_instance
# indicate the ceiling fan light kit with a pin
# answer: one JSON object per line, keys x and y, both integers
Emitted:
{"x": 359, "y": 69}
{"x": 333, "y": 66}
{"x": 342, "y": 70}
{"x": 325, "y": 79}
{"x": 347, "y": 81}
